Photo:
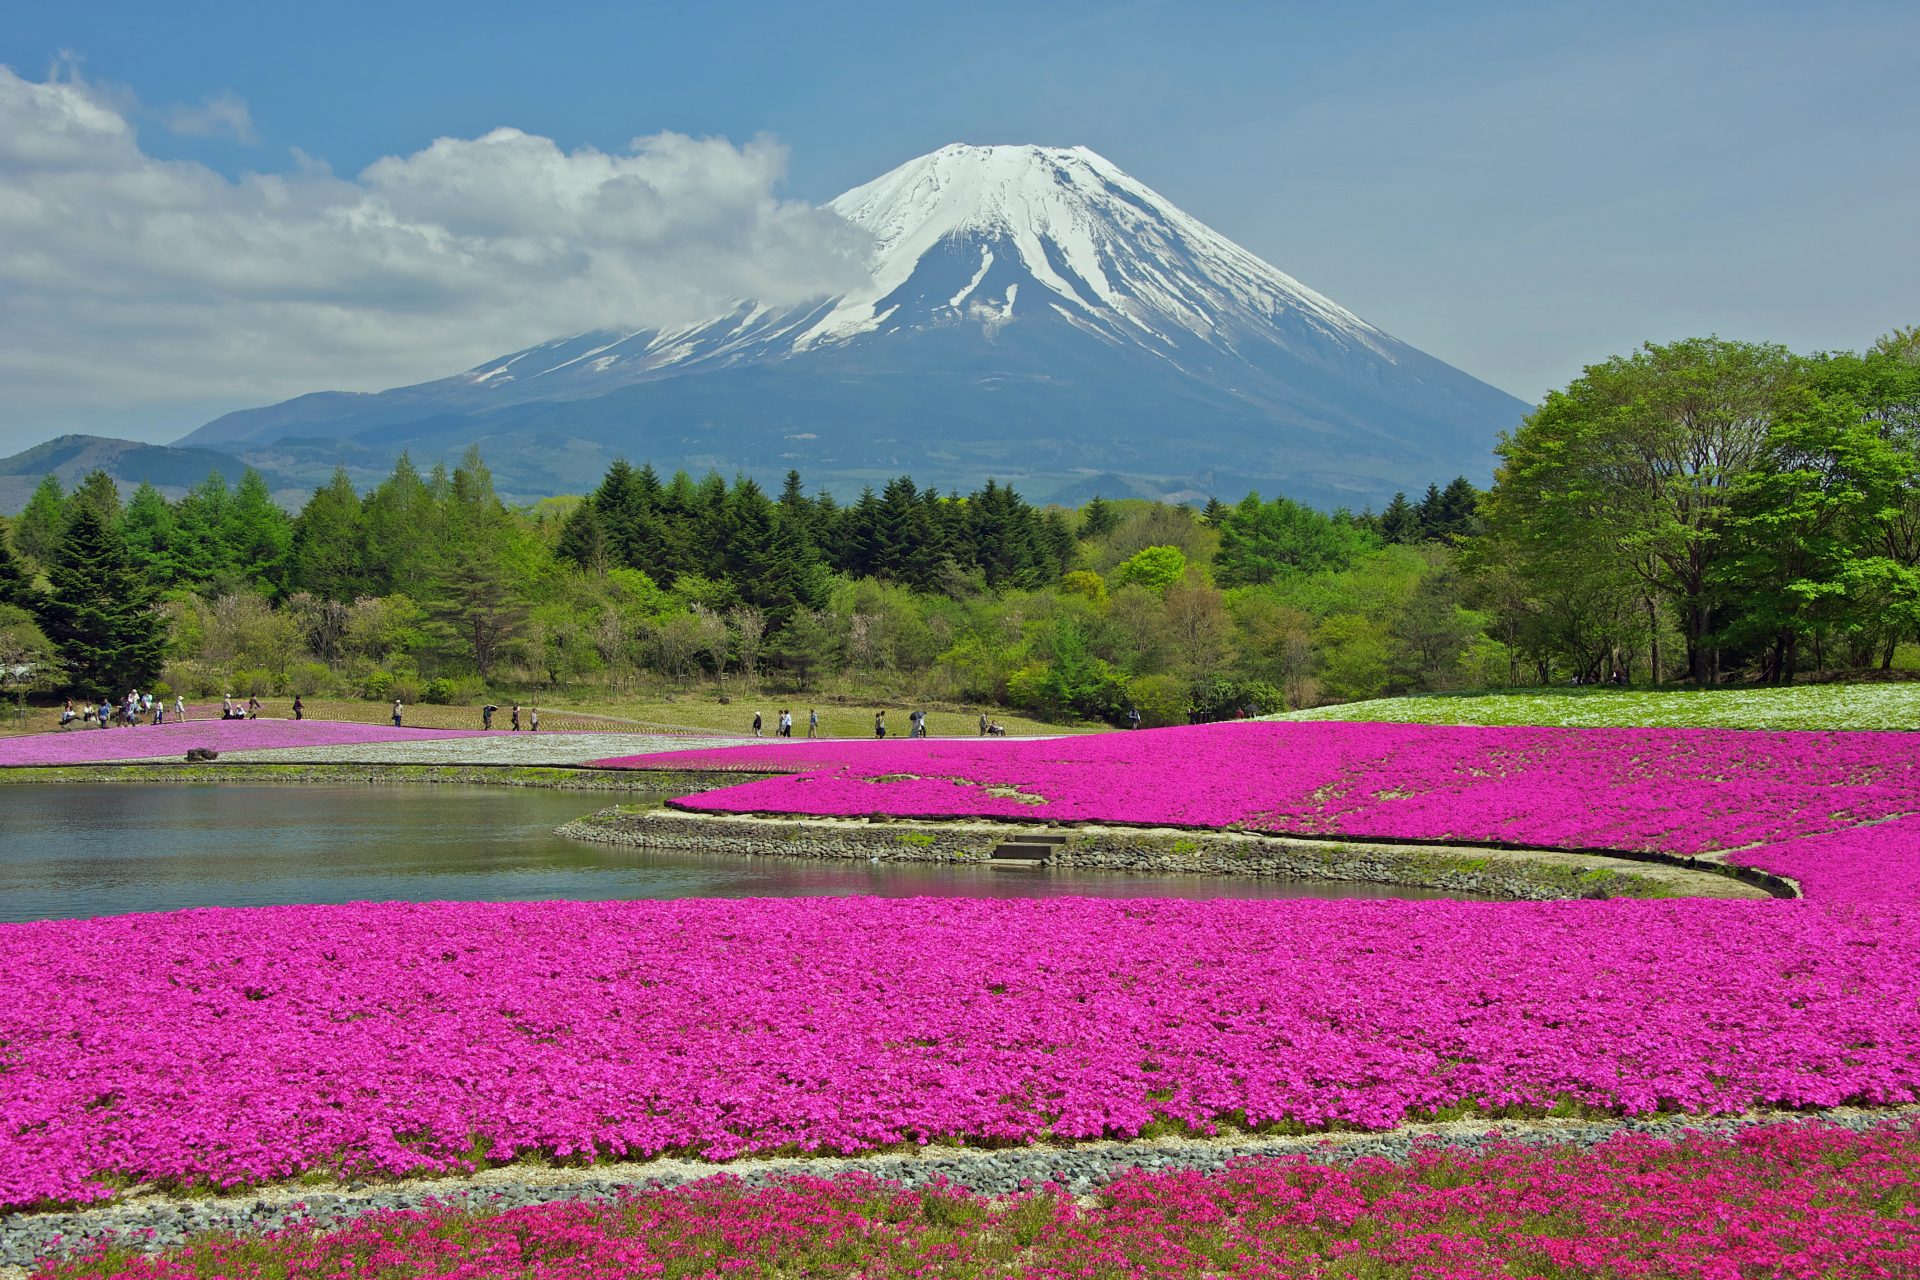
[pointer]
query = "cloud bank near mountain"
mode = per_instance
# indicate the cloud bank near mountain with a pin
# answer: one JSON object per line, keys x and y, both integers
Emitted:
{"x": 129, "y": 281}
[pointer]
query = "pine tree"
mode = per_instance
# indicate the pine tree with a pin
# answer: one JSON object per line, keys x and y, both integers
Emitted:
{"x": 1098, "y": 518}
{"x": 1213, "y": 513}
{"x": 38, "y": 531}
{"x": 400, "y": 518}
{"x": 200, "y": 527}
{"x": 583, "y": 539}
{"x": 259, "y": 536}
{"x": 98, "y": 612}
{"x": 149, "y": 530}
{"x": 1459, "y": 509}
{"x": 329, "y": 553}
{"x": 16, "y": 587}
{"x": 1399, "y": 522}
{"x": 1429, "y": 514}
{"x": 621, "y": 515}
{"x": 97, "y": 490}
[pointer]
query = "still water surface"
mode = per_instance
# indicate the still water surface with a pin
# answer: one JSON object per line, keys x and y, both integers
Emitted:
{"x": 68, "y": 851}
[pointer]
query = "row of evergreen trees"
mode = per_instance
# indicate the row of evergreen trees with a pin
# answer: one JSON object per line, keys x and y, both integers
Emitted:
{"x": 475, "y": 573}
{"x": 775, "y": 551}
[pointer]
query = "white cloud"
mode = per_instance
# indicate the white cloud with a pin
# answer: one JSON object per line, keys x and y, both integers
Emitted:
{"x": 223, "y": 115}
{"x": 146, "y": 286}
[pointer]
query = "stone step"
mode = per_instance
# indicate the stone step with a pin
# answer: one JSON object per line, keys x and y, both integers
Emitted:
{"x": 1024, "y": 851}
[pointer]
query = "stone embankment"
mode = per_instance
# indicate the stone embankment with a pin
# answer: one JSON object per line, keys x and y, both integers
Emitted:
{"x": 153, "y": 1221}
{"x": 1529, "y": 875}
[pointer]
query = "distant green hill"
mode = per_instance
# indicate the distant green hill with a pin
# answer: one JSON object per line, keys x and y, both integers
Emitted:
{"x": 171, "y": 469}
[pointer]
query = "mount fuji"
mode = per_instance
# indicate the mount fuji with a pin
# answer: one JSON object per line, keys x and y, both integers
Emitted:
{"x": 1034, "y": 314}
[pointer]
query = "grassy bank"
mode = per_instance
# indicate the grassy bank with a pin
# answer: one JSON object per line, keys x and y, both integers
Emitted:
{"x": 1816, "y": 706}
{"x": 692, "y": 713}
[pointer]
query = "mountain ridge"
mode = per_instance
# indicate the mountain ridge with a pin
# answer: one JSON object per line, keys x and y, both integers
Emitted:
{"x": 1034, "y": 313}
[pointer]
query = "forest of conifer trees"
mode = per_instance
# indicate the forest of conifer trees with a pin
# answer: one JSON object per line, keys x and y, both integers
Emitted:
{"x": 1703, "y": 511}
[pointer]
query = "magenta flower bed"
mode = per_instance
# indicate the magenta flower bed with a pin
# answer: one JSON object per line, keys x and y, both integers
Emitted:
{"x": 1679, "y": 791}
{"x": 236, "y": 1045}
{"x": 1783, "y": 1200}
{"x": 100, "y": 746}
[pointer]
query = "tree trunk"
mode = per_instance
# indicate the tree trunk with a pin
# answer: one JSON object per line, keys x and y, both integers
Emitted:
{"x": 1653, "y": 641}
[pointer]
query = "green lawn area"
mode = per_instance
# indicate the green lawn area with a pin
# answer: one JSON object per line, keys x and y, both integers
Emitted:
{"x": 694, "y": 712}
{"x": 1813, "y": 706}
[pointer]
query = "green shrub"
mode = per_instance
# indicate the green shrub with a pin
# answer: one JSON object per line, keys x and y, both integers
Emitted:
{"x": 377, "y": 685}
{"x": 252, "y": 682}
{"x": 1162, "y": 700}
{"x": 308, "y": 678}
{"x": 439, "y": 691}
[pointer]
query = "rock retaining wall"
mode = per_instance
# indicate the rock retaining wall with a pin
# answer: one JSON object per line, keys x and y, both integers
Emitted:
{"x": 1504, "y": 873}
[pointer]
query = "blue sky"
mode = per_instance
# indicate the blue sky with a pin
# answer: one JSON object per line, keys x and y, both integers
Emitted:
{"x": 1517, "y": 189}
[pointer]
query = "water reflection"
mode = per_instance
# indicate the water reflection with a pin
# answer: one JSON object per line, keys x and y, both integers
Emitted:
{"x": 69, "y": 851}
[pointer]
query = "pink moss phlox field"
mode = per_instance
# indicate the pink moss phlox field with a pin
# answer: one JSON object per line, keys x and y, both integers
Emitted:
{"x": 1676, "y": 791}
{"x": 1800, "y": 1200}
{"x": 242, "y": 1045}
{"x": 100, "y": 746}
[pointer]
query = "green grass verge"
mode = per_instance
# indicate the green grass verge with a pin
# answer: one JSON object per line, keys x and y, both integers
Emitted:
{"x": 1816, "y": 706}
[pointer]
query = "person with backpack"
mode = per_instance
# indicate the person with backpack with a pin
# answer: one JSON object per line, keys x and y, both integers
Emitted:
{"x": 813, "y": 723}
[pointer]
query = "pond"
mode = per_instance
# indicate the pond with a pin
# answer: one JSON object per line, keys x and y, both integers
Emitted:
{"x": 105, "y": 849}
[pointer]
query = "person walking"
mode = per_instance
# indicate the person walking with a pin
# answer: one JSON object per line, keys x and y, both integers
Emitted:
{"x": 879, "y": 724}
{"x": 516, "y": 717}
{"x": 486, "y": 716}
{"x": 106, "y": 712}
{"x": 533, "y": 719}
{"x": 253, "y": 707}
{"x": 179, "y": 706}
{"x": 1133, "y": 717}
{"x": 396, "y": 713}
{"x": 299, "y": 708}
{"x": 813, "y": 723}
{"x": 756, "y": 724}
{"x": 786, "y": 723}
{"x": 159, "y": 711}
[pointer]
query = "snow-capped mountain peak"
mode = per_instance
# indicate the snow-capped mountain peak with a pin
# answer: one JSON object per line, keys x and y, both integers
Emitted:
{"x": 1081, "y": 233}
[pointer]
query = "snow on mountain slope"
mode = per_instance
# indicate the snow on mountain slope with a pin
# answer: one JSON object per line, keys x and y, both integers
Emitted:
{"x": 1015, "y": 290}
{"x": 1111, "y": 249}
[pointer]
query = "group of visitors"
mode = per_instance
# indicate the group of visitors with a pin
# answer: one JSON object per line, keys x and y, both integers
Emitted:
{"x": 916, "y": 724}
{"x": 127, "y": 713}
{"x": 783, "y": 725}
{"x": 533, "y": 717}
{"x": 1618, "y": 677}
{"x": 231, "y": 710}
{"x": 991, "y": 728}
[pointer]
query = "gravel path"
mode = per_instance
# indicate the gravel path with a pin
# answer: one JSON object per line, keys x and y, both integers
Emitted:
{"x": 536, "y": 749}
{"x": 1081, "y": 1169}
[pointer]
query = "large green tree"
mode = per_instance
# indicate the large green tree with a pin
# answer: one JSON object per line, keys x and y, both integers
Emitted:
{"x": 329, "y": 545}
{"x": 37, "y": 532}
{"x": 1640, "y": 458}
{"x": 99, "y": 612}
